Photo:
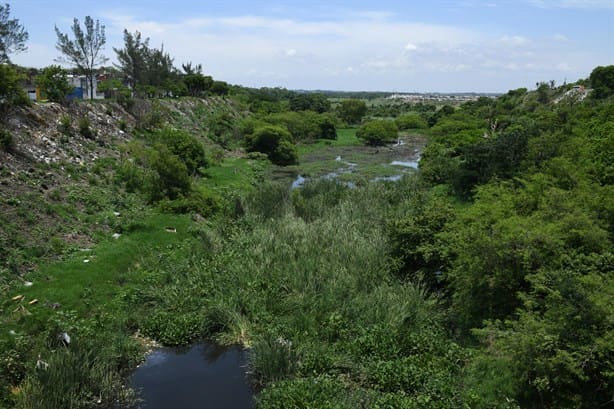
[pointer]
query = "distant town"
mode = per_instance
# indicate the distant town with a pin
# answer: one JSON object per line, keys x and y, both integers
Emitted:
{"x": 440, "y": 97}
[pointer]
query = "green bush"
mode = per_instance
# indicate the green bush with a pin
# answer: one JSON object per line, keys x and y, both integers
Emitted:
{"x": 7, "y": 143}
{"x": 53, "y": 83}
{"x": 186, "y": 146}
{"x": 65, "y": 126}
{"x": 202, "y": 202}
{"x": 352, "y": 110}
{"x": 12, "y": 93}
{"x": 85, "y": 128}
{"x": 411, "y": 120}
{"x": 172, "y": 179}
{"x": 378, "y": 132}
{"x": 276, "y": 142}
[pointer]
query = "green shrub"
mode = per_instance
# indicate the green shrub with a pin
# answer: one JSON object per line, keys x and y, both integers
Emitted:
{"x": 276, "y": 142}
{"x": 53, "y": 82}
{"x": 65, "y": 126}
{"x": 12, "y": 93}
{"x": 378, "y": 132}
{"x": 411, "y": 120}
{"x": 7, "y": 143}
{"x": 352, "y": 110}
{"x": 171, "y": 179}
{"x": 85, "y": 127}
{"x": 186, "y": 146}
{"x": 202, "y": 202}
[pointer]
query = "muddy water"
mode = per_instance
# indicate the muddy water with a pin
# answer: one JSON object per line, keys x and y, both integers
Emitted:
{"x": 203, "y": 376}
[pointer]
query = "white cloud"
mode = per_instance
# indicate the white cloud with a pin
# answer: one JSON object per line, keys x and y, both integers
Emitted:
{"x": 514, "y": 41}
{"x": 574, "y": 4}
{"x": 356, "y": 50}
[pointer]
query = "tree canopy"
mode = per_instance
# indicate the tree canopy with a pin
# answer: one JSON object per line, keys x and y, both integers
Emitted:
{"x": 13, "y": 36}
{"x": 85, "y": 50}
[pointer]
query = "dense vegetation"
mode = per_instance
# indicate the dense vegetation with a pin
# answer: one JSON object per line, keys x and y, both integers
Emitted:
{"x": 485, "y": 280}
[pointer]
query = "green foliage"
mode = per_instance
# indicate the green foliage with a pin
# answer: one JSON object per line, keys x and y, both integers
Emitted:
{"x": 602, "y": 81}
{"x": 411, "y": 121}
{"x": 219, "y": 88}
{"x": 84, "y": 51}
{"x": 276, "y": 142}
{"x": 11, "y": 92}
{"x": 198, "y": 84}
{"x": 53, "y": 83}
{"x": 75, "y": 377}
{"x": 272, "y": 359}
{"x": 414, "y": 238}
{"x": 171, "y": 179}
{"x": 133, "y": 58}
{"x": 114, "y": 88}
{"x": 65, "y": 125}
{"x": 185, "y": 145}
{"x": 352, "y": 110}
{"x": 378, "y": 132}
{"x": 309, "y": 102}
{"x": 7, "y": 143}
{"x": 13, "y": 36}
{"x": 201, "y": 201}
{"x": 85, "y": 128}
{"x": 559, "y": 348}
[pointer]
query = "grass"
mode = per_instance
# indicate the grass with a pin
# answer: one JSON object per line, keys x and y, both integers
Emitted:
{"x": 345, "y": 137}
{"x": 89, "y": 281}
{"x": 238, "y": 174}
{"x": 309, "y": 288}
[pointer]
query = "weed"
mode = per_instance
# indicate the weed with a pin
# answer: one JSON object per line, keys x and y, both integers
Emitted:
{"x": 85, "y": 128}
{"x": 7, "y": 143}
{"x": 65, "y": 125}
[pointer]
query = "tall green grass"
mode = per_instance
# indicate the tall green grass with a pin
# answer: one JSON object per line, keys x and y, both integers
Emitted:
{"x": 304, "y": 279}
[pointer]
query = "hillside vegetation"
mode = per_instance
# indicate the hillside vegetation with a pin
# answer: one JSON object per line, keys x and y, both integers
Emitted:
{"x": 483, "y": 280}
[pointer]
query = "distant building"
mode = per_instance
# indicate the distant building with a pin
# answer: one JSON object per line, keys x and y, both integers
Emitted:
{"x": 82, "y": 89}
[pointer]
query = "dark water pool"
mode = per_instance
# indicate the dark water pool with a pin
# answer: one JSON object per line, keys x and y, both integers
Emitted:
{"x": 201, "y": 377}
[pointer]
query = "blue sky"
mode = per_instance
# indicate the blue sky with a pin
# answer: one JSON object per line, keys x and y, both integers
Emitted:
{"x": 447, "y": 46}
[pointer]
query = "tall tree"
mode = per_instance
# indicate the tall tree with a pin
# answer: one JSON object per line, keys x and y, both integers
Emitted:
{"x": 133, "y": 58}
{"x": 85, "y": 51}
{"x": 13, "y": 35}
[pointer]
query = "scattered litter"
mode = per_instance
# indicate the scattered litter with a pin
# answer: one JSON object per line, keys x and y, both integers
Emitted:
{"x": 34, "y": 301}
{"x": 12, "y": 332}
{"x": 116, "y": 235}
{"x": 116, "y": 214}
{"x": 18, "y": 297}
{"x": 87, "y": 260}
{"x": 27, "y": 283}
{"x": 22, "y": 310}
{"x": 65, "y": 338}
{"x": 40, "y": 364}
{"x": 171, "y": 229}
{"x": 55, "y": 305}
